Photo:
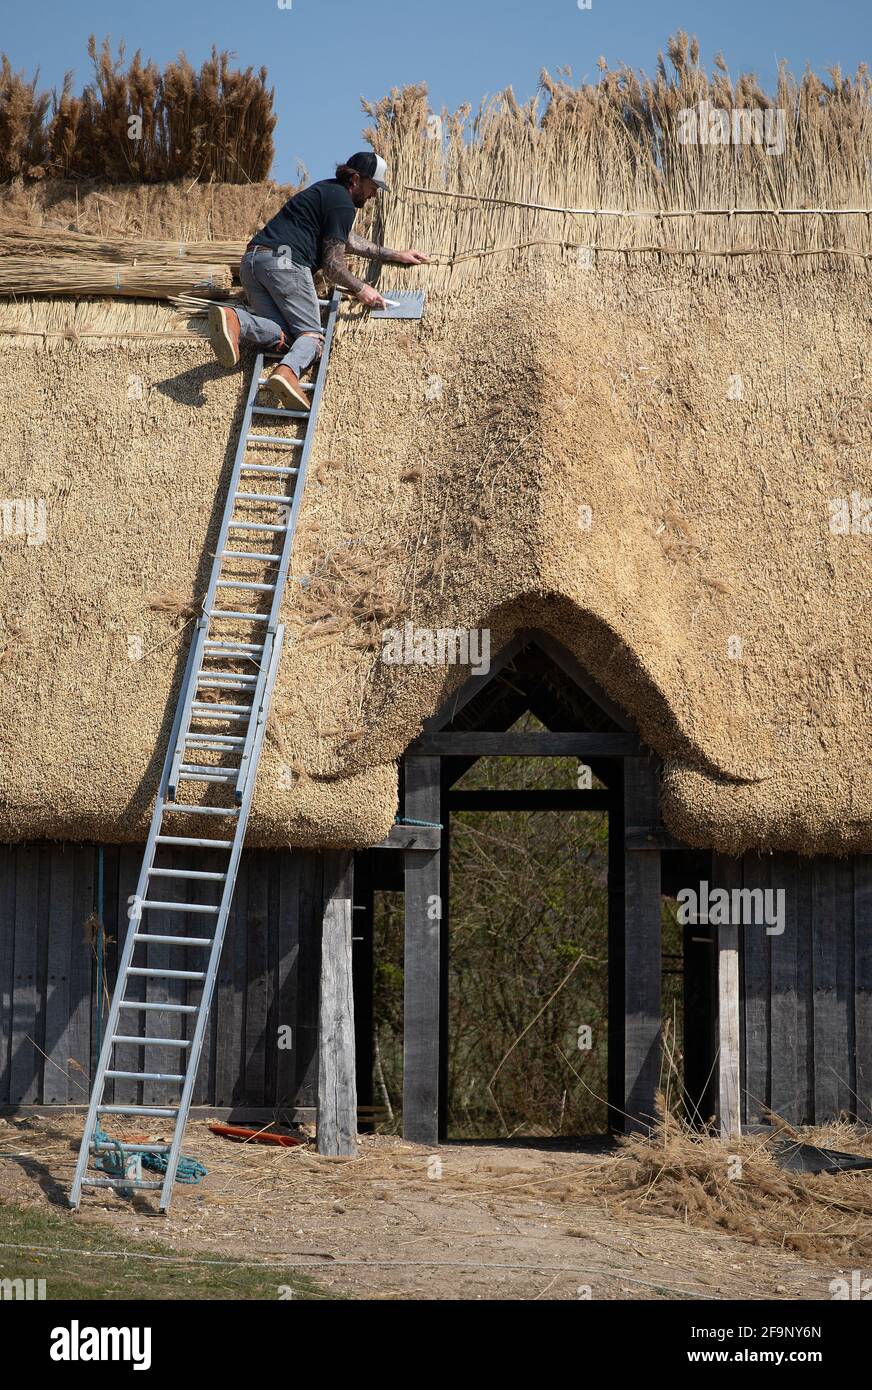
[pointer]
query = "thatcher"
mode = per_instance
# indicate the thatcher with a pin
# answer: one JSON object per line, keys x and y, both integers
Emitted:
{"x": 658, "y": 456}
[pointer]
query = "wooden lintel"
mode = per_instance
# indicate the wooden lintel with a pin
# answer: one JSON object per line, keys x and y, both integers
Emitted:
{"x": 507, "y": 743}
{"x": 426, "y": 837}
{"x": 537, "y": 800}
{"x": 650, "y": 837}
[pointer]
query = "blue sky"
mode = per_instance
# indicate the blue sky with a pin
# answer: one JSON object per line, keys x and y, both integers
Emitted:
{"x": 323, "y": 55}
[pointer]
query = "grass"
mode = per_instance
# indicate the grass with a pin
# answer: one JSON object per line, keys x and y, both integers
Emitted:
{"x": 84, "y": 1260}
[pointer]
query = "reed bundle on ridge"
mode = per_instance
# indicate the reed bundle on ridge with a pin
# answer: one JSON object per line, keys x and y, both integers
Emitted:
{"x": 25, "y": 275}
{"x": 16, "y": 240}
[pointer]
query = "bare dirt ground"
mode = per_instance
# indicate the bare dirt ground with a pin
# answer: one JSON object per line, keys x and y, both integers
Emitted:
{"x": 462, "y": 1221}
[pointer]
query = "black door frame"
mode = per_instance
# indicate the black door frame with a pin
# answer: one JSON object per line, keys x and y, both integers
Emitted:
{"x": 636, "y": 838}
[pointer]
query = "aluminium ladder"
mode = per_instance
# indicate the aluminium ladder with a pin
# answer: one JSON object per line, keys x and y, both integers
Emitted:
{"x": 244, "y": 707}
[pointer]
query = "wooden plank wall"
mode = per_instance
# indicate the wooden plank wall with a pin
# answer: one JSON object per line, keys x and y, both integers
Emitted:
{"x": 806, "y": 994}
{"x": 268, "y": 978}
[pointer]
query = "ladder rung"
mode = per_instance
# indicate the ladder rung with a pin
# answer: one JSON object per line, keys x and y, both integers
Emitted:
{"x": 157, "y": 906}
{"x": 248, "y": 679}
{"x": 273, "y": 441}
{"x": 164, "y": 1008}
{"x": 147, "y": 1042}
{"x": 218, "y": 744}
{"x": 138, "y": 1110}
{"x": 244, "y": 584}
{"x": 185, "y": 775}
{"x": 215, "y": 740}
{"x": 183, "y": 809}
{"x": 173, "y": 940}
{"x": 255, "y": 526}
{"x": 165, "y": 974}
{"x": 243, "y": 617}
{"x": 282, "y": 470}
{"x": 248, "y": 555}
{"x": 264, "y": 497}
{"x": 277, "y": 410}
{"x": 188, "y": 873}
{"x": 214, "y": 705}
{"x": 138, "y": 1183}
{"x": 215, "y": 645}
{"x": 234, "y": 718}
{"x": 146, "y": 1075}
{"x": 222, "y": 677}
{"x": 194, "y": 843}
{"x": 131, "y": 1148}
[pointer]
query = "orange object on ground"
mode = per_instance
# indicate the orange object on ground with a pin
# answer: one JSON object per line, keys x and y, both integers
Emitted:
{"x": 256, "y": 1136}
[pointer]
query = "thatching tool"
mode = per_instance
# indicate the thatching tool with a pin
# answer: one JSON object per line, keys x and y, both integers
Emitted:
{"x": 263, "y": 500}
{"x": 402, "y": 304}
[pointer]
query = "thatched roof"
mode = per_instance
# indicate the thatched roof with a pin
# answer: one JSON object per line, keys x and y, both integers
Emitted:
{"x": 708, "y": 409}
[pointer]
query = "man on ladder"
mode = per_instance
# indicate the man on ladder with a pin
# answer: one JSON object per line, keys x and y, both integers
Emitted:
{"x": 313, "y": 229}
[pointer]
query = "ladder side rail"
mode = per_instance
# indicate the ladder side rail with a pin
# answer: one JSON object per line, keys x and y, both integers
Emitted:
{"x": 187, "y": 695}
{"x": 288, "y": 539}
{"x": 238, "y": 462}
{"x": 303, "y": 462}
{"x": 190, "y": 690}
{"x": 218, "y": 940}
{"x": 127, "y": 952}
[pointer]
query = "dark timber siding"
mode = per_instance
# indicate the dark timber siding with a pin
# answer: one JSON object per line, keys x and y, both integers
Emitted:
{"x": 807, "y": 993}
{"x": 268, "y": 977}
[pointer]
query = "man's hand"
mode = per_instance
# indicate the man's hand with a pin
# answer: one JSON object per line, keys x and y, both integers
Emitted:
{"x": 370, "y": 297}
{"x": 410, "y": 257}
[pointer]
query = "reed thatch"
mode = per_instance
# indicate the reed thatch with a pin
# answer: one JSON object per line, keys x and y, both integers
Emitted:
{"x": 709, "y": 410}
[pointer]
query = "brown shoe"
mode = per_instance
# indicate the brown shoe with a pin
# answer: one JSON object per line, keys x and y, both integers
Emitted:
{"x": 284, "y": 386}
{"x": 224, "y": 334}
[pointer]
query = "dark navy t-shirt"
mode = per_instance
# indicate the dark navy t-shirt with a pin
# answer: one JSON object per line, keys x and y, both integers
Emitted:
{"x": 323, "y": 210}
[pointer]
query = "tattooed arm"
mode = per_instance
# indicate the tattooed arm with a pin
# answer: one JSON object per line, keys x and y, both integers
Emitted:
{"x": 359, "y": 246}
{"x": 335, "y": 267}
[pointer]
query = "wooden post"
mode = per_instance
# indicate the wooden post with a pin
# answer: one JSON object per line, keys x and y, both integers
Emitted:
{"x": 337, "y": 1087}
{"x": 642, "y": 948}
{"x": 727, "y": 873}
{"x": 421, "y": 1024}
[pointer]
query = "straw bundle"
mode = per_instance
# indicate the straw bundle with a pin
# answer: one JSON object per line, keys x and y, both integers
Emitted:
{"x": 16, "y": 240}
{"x": 29, "y": 275}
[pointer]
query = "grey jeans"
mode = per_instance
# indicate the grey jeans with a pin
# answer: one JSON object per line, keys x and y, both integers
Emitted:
{"x": 283, "y": 306}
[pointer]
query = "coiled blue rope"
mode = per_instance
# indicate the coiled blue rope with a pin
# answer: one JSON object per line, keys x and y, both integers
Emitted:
{"x": 190, "y": 1170}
